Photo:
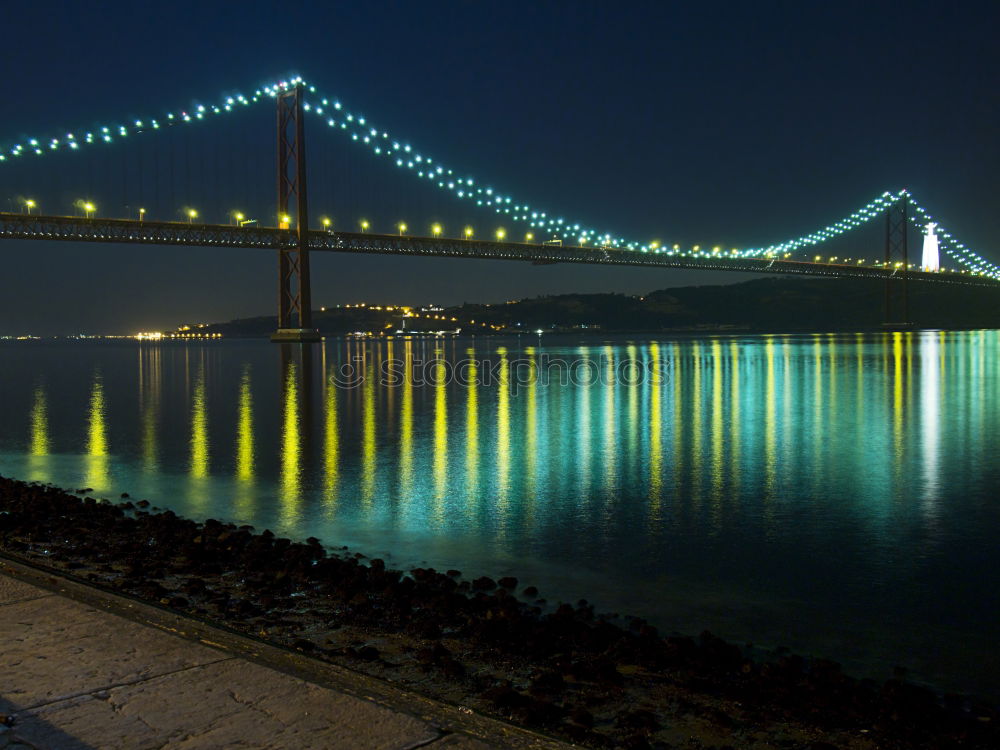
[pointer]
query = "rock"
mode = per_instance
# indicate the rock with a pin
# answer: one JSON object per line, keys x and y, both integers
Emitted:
{"x": 507, "y": 582}
{"x": 549, "y": 682}
{"x": 453, "y": 669}
{"x": 430, "y": 631}
{"x": 641, "y": 719}
{"x": 483, "y": 583}
{"x": 504, "y": 696}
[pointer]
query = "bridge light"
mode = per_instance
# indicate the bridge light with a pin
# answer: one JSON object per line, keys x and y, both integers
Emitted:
{"x": 501, "y": 233}
{"x": 284, "y": 221}
{"x": 88, "y": 208}
{"x": 364, "y": 225}
{"x": 325, "y": 221}
{"x": 142, "y": 214}
{"x": 401, "y": 227}
{"x": 29, "y": 204}
{"x": 436, "y": 230}
{"x": 238, "y": 217}
{"x": 468, "y": 233}
{"x": 529, "y": 237}
{"x": 192, "y": 215}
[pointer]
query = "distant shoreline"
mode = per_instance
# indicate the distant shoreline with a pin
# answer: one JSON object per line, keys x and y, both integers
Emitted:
{"x": 589, "y": 334}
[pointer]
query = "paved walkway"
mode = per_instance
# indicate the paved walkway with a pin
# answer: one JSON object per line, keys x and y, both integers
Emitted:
{"x": 82, "y": 669}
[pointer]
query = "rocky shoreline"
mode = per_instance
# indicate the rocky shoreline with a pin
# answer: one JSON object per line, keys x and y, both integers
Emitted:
{"x": 491, "y": 646}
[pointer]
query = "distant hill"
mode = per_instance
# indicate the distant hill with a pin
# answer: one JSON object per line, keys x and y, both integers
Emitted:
{"x": 765, "y": 304}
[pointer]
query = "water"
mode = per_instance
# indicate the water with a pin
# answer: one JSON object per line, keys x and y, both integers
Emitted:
{"x": 833, "y": 493}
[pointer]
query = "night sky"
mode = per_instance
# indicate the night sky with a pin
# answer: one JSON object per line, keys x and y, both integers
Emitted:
{"x": 716, "y": 123}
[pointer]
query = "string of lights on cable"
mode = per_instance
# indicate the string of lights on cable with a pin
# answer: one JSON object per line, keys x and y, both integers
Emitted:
{"x": 464, "y": 187}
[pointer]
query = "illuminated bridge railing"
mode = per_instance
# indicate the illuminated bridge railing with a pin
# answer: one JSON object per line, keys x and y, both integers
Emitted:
{"x": 77, "y": 229}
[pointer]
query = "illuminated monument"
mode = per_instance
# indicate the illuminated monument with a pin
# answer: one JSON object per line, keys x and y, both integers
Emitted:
{"x": 931, "y": 260}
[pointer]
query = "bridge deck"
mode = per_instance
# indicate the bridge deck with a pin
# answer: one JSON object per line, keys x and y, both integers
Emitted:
{"x": 77, "y": 229}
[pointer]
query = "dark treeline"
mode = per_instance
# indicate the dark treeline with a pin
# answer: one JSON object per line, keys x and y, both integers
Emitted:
{"x": 766, "y": 304}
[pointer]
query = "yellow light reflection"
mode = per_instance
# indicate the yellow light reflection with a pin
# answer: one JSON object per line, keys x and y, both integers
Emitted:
{"x": 406, "y": 425}
{"x": 677, "y": 421}
{"x": 199, "y": 427}
{"x": 697, "y": 398}
{"x": 39, "y": 424}
{"x": 655, "y": 437}
{"x": 331, "y": 446}
{"x": 503, "y": 434}
{"x": 440, "y": 434}
{"x": 471, "y": 425}
{"x": 715, "y": 438}
{"x": 369, "y": 451}
{"x": 897, "y": 394}
{"x": 244, "y": 430}
{"x": 632, "y": 426}
{"x": 97, "y": 443}
{"x": 291, "y": 446}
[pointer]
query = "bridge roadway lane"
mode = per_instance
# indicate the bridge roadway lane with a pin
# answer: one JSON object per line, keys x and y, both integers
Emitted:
{"x": 77, "y": 229}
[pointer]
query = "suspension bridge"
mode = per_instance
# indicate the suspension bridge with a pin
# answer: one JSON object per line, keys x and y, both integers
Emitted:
{"x": 293, "y": 237}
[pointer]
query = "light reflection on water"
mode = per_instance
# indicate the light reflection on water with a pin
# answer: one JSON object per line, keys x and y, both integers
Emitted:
{"x": 830, "y": 492}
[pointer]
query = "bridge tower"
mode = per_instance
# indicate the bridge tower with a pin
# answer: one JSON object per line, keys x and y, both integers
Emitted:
{"x": 897, "y": 300}
{"x": 294, "y": 297}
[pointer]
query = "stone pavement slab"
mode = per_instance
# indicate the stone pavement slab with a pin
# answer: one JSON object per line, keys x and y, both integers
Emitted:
{"x": 12, "y": 590}
{"x": 56, "y": 648}
{"x": 82, "y": 668}
{"x": 232, "y": 703}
